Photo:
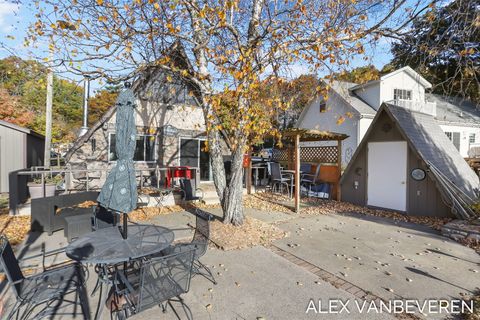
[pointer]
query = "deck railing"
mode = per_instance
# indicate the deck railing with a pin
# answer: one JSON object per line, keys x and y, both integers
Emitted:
{"x": 19, "y": 179}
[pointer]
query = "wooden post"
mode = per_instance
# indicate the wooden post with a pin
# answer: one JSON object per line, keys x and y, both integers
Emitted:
{"x": 339, "y": 164}
{"x": 248, "y": 170}
{"x": 297, "y": 173}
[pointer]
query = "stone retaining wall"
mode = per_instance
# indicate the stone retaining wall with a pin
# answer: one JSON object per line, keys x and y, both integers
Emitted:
{"x": 461, "y": 229}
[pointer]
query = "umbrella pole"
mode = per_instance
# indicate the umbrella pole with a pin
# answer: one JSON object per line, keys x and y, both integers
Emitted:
{"x": 124, "y": 233}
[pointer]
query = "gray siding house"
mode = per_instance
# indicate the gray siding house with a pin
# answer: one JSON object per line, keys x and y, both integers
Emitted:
{"x": 170, "y": 125}
{"x": 20, "y": 148}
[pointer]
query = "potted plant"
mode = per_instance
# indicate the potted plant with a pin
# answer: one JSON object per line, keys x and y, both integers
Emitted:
{"x": 36, "y": 188}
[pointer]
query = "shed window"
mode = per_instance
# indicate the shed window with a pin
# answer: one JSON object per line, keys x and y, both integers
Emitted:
{"x": 455, "y": 138}
{"x": 323, "y": 107}
{"x": 402, "y": 94}
{"x": 144, "y": 149}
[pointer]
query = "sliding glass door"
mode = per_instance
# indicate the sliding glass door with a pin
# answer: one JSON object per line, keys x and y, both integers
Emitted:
{"x": 193, "y": 154}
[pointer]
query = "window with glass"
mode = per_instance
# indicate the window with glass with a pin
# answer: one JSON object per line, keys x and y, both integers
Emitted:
{"x": 471, "y": 138}
{"x": 144, "y": 148}
{"x": 402, "y": 94}
{"x": 455, "y": 138}
{"x": 323, "y": 107}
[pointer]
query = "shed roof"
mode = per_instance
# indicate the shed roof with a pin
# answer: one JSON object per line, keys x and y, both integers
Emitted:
{"x": 430, "y": 143}
{"x": 313, "y": 135}
{"x": 20, "y": 128}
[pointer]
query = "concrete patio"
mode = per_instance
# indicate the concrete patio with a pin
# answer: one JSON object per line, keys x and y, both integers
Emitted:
{"x": 325, "y": 257}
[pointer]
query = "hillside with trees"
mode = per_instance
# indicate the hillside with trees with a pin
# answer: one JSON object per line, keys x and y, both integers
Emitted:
{"x": 23, "y": 96}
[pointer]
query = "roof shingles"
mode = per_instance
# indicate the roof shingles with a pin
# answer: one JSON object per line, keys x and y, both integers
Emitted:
{"x": 431, "y": 143}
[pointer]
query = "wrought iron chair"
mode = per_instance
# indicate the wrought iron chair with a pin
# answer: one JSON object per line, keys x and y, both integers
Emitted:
{"x": 278, "y": 179}
{"x": 81, "y": 177}
{"x": 199, "y": 244}
{"x": 46, "y": 290}
{"x": 158, "y": 281}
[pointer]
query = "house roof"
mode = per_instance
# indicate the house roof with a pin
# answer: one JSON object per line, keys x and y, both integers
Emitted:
{"x": 176, "y": 51}
{"x": 343, "y": 89}
{"x": 455, "y": 110}
{"x": 412, "y": 73}
{"x": 430, "y": 143}
{"x": 20, "y": 128}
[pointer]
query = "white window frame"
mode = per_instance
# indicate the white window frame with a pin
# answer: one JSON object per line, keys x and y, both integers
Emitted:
{"x": 472, "y": 138}
{"x": 450, "y": 135}
{"x": 402, "y": 94}
{"x": 144, "y": 148}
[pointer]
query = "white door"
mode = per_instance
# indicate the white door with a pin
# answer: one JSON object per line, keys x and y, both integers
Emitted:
{"x": 387, "y": 175}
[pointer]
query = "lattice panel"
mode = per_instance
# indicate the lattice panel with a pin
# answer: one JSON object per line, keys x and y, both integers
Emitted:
{"x": 327, "y": 154}
{"x": 280, "y": 155}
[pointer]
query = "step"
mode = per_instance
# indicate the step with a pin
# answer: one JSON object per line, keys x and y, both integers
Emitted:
{"x": 211, "y": 200}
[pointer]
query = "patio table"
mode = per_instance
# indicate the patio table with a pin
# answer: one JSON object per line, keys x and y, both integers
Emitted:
{"x": 107, "y": 247}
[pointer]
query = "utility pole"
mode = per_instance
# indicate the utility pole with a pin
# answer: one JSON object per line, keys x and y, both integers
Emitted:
{"x": 86, "y": 97}
{"x": 48, "y": 113}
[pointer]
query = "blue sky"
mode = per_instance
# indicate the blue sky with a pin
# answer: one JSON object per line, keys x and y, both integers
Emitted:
{"x": 14, "y": 19}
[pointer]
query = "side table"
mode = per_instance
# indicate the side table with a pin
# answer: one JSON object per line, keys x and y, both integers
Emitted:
{"x": 76, "y": 226}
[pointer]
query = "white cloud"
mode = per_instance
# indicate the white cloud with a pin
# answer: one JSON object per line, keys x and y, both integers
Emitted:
{"x": 8, "y": 11}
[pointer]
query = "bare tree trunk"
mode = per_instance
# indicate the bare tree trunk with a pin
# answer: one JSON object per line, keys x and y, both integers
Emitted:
{"x": 217, "y": 164}
{"x": 232, "y": 203}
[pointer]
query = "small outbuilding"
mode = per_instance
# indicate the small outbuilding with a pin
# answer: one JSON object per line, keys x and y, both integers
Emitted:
{"x": 406, "y": 163}
{"x": 20, "y": 148}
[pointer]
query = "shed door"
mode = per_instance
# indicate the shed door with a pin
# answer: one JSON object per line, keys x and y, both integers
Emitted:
{"x": 387, "y": 175}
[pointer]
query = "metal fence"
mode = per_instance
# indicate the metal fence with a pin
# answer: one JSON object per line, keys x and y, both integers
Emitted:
{"x": 77, "y": 180}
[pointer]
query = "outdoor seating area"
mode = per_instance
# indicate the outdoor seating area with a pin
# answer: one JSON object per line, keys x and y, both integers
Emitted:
{"x": 301, "y": 170}
{"x": 136, "y": 267}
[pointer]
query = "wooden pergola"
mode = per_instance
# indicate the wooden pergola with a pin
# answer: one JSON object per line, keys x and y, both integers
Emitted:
{"x": 298, "y": 135}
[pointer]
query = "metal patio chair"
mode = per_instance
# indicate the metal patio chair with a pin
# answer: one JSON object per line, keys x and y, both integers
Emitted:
{"x": 158, "y": 281}
{"x": 46, "y": 290}
{"x": 199, "y": 244}
{"x": 307, "y": 180}
{"x": 278, "y": 179}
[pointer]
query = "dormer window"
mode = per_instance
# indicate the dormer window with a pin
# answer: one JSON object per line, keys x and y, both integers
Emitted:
{"x": 402, "y": 94}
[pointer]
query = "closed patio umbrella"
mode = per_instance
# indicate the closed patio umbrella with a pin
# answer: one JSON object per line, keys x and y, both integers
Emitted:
{"x": 119, "y": 193}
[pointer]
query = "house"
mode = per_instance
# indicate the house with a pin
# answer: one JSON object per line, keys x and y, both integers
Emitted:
{"x": 170, "y": 125}
{"x": 405, "y": 162}
{"x": 20, "y": 148}
{"x": 350, "y": 109}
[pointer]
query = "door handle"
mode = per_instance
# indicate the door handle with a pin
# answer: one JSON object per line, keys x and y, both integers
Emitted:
{"x": 403, "y": 182}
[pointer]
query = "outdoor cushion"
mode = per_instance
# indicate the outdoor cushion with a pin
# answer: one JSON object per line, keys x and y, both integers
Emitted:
{"x": 321, "y": 190}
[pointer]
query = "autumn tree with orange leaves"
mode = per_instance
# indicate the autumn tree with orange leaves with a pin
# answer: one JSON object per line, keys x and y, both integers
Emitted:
{"x": 231, "y": 45}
